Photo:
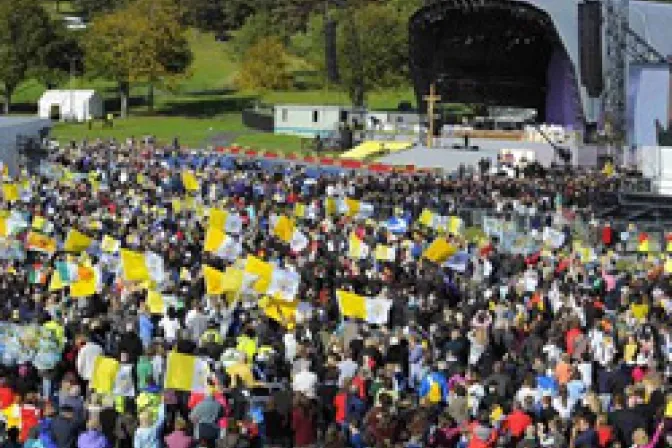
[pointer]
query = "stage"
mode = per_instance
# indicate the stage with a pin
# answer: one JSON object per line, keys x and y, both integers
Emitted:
{"x": 449, "y": 159}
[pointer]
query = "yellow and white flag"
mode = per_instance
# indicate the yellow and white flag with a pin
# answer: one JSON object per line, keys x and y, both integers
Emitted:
{"x": 190, "y": 182}
{"x": 110, "y": 245}
{"x": 221, "y": 244}
{"x": 104, "y": 374}
{"x": 263, "y": 272}
{"x": 141, "y": 267}
{"x": 284, "y": 283}
{"x": 214, "y": 280}
{"x": 385, "y": 253}
{"x": 355, "y": 208}
{"x": 225, "y": 221}
{"x": 357, "y": 248}
{"x": 372, "y": 310}
{"x": 186, "y": 373}
{"x": 76, "y": 241}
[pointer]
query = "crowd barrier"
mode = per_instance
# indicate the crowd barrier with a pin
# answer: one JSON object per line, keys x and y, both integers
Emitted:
{"x": 317, "y": 160}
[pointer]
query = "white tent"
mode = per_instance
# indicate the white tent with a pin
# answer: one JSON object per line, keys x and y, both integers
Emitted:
{"x": 78, "y": 105}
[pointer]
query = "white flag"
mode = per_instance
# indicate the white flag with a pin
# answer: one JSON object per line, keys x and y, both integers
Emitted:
{"x": 378, "y": 311}
{"x": 284, "y": 282}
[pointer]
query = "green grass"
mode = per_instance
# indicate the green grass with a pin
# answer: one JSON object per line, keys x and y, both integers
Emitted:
{"x": 192, "y": 132}
{"x": 270, "y": 142}
{"x": 199, "y": 107}
{"x": 388, "y": 99}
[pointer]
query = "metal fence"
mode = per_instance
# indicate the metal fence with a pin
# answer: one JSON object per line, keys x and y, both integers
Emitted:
{"x": 582, "y": 228}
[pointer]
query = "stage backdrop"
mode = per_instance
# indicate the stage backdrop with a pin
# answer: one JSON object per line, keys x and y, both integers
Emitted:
{"x": 648, "y": 101}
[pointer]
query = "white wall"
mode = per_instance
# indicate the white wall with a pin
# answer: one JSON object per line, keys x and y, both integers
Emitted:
{"x": 649, "y": 96}
{"x": 656, "y": 164}
{"x": 300, "y": 120}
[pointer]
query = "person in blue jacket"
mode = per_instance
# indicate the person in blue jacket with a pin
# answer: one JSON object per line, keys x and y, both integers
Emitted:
{"x": 434, "y": 388}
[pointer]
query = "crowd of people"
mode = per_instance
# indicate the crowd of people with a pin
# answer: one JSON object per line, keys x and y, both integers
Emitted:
{"x": 545, "y": 349}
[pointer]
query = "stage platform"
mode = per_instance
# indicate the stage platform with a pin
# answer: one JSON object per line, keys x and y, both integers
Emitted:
{"x": 449, "y": 159}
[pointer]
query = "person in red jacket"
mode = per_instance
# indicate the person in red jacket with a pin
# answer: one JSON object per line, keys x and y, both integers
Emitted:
{"x": 303, "y": 422}
{"x": 570, "y": 337}
{"x": 607, "y": 235}
{"x": 517, "y": 422}
{"x": 6, "y": 394}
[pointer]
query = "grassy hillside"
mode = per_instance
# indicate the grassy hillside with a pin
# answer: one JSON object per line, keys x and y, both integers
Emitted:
{"x": 203, "y": 108}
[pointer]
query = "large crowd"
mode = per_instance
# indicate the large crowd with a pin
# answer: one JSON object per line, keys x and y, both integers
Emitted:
{"x": 475, "y": 345}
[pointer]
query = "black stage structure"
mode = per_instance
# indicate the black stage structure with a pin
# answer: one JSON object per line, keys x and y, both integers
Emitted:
{"x": 494, "y": 52}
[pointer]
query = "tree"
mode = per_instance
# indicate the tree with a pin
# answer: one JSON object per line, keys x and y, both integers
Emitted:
{"x": 265, "y": 67}
{"x": 373, "y": 49}
{"x": 136, "y": 43}
{"x": 207, "y": 15}
{"x": 90, "y": 8}
{"x": 166, "y": 43}
{"x": 62, "y": 55}
{"x": 25, "y": 35}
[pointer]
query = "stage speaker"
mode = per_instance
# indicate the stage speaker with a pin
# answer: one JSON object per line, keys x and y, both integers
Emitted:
{"x": 590, "y": 46}
{"x": 330, "y": 50}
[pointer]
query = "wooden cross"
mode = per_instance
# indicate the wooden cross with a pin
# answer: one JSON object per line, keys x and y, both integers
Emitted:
{"x": 431, "y": 99}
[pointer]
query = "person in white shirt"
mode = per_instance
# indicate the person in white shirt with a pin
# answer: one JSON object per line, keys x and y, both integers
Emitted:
{"x": 305, "y": 382}
{"x": 170, "y": 325}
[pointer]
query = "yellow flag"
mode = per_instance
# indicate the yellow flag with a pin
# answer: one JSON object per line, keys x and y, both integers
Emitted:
{"x": 104, "y": 374}
{"x": 85, "y": 285}
{"x": 439, "y": 251}
{"x": 180, "y": 371}
{"x": 10, "y": 192}
{"x": 279, "y": 309}
{"x": 454, "y": 225}
{"x": 217, "y": 219}
{"x": 76, "y": 241}
{"x": 214, "y": 280}
{"x": 352, "y": 305}
{"x": 355, "y": 248}
{"x": 608, "y": 169}
{"x": 214, "y": 238}
{"x": 110, "y": 245}
{"x": 330, "y": 206}
{"x": 56, "y": 283}
{"x": 643, "y": 245}
{"x": 668, "y": 409}
{"x": 134, "y": 266}
{"x": 353, "y": 207}
{"x": 284, "y": 228}
{"x": 38, "y": 222}
{"x": 155, "y": 302}
{"x": 3, "y": 226}
{"x": 426, "y": 218}
{"x": 40, "y": 243}
{"x": 190, "y": 182}
{"x": 384, "y": 253}
{"x": 232, "y": 280}
{"x": 176, "y": 205}
{"x": 263, "y": 270}
{"x": 300, "y": 210}
{"x": 668, "y": 266}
